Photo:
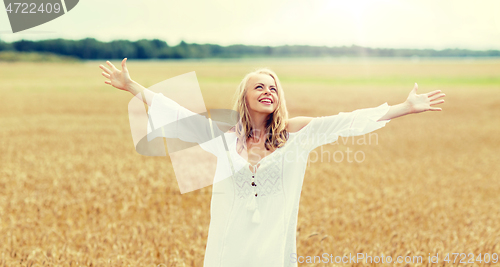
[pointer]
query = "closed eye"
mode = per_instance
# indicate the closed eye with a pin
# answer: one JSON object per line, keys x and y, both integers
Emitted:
{"x": 259, "y": 86}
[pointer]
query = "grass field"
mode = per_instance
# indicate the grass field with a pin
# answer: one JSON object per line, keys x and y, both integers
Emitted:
{"x": 74, "y": 192}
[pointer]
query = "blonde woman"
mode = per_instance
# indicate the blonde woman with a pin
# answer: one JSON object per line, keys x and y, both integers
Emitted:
{"x": 254, "y": 211}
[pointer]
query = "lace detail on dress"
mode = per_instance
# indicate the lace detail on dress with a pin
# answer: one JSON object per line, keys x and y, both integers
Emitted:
{"x": 243, "y": 182}
{"x": 267, "y": 179}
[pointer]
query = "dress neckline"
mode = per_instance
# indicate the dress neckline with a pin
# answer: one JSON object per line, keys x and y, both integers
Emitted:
{"x": 248, "y": 163}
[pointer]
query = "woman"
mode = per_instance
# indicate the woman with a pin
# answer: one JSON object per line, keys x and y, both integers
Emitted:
{"x": 254, "y": 211}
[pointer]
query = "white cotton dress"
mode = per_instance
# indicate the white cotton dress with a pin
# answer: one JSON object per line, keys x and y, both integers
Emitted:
{"x": 255, "y": 225}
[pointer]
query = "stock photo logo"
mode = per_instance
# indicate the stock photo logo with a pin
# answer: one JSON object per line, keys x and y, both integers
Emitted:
{"x": 24, "y": 14}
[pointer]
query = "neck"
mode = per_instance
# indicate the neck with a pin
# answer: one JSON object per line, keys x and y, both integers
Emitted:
{"x": 258, "y": 122}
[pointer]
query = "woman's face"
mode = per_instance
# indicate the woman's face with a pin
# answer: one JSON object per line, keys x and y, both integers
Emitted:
{"x": 262, "y": 94}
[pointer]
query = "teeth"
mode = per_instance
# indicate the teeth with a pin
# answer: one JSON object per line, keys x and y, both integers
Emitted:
{"x": 266, "y": 101}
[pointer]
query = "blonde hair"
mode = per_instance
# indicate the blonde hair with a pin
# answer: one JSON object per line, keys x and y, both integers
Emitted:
{"x": 275, "y": 133}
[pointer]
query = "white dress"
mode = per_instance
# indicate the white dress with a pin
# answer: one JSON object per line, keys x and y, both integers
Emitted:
{"x": 255, "y": 225}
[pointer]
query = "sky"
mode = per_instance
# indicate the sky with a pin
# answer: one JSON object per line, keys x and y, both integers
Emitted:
{"x": 437, "y": 24}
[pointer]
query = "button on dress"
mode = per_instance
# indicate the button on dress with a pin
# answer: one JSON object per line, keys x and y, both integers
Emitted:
{"x": 254, "y": 208}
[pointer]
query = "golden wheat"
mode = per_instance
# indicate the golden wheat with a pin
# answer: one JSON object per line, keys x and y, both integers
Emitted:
{"x": 73, "y": 191}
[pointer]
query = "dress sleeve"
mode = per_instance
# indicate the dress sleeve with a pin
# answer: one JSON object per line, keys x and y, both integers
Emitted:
{"x": 166, "y": 118}
{"x": 327, "y": 129}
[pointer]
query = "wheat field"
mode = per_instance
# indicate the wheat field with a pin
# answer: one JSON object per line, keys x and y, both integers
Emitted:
{"x": 74, "y": 192}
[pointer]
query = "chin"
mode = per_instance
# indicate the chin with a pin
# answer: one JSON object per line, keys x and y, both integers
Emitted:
{"x": 270, "y": 112}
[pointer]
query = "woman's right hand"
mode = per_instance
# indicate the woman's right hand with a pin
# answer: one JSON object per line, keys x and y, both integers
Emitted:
{"x": 118, "y": 79}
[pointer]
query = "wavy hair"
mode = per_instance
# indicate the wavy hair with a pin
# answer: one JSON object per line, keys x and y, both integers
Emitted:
{"x": 275, "y": 133}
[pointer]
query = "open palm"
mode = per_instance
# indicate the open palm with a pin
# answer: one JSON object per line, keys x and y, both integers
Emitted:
{"x": 423, "y": 102}
{"x": 117, "y": 78}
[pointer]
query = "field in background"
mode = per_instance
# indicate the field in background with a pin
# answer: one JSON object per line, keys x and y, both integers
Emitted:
{"x": 74, "y": 192}
{"x": 13, "y": 56}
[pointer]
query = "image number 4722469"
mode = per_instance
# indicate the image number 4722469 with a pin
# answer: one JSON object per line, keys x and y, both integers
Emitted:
{"x": 26, "y": 14}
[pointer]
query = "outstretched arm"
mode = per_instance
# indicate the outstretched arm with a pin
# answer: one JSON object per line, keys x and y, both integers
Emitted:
{"x": 415, "y": 104}
{"x": 121, "y": 79}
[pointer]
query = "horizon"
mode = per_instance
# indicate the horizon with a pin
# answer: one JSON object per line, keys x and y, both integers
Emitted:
{"x": 352, "y": 45}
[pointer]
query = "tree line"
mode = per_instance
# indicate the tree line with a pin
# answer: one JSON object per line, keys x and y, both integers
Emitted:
{"x": 91, "y": 48}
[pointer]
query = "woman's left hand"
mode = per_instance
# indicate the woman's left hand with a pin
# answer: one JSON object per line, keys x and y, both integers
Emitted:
{"x": 423, "y": 102}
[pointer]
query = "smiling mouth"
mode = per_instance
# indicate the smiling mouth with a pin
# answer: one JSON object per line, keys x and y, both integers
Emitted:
{"x": 266, "y": 102}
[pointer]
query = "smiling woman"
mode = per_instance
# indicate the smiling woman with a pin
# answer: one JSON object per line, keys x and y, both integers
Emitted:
{"x": 254, "y": 210}
{"x": 263, "y": 124}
